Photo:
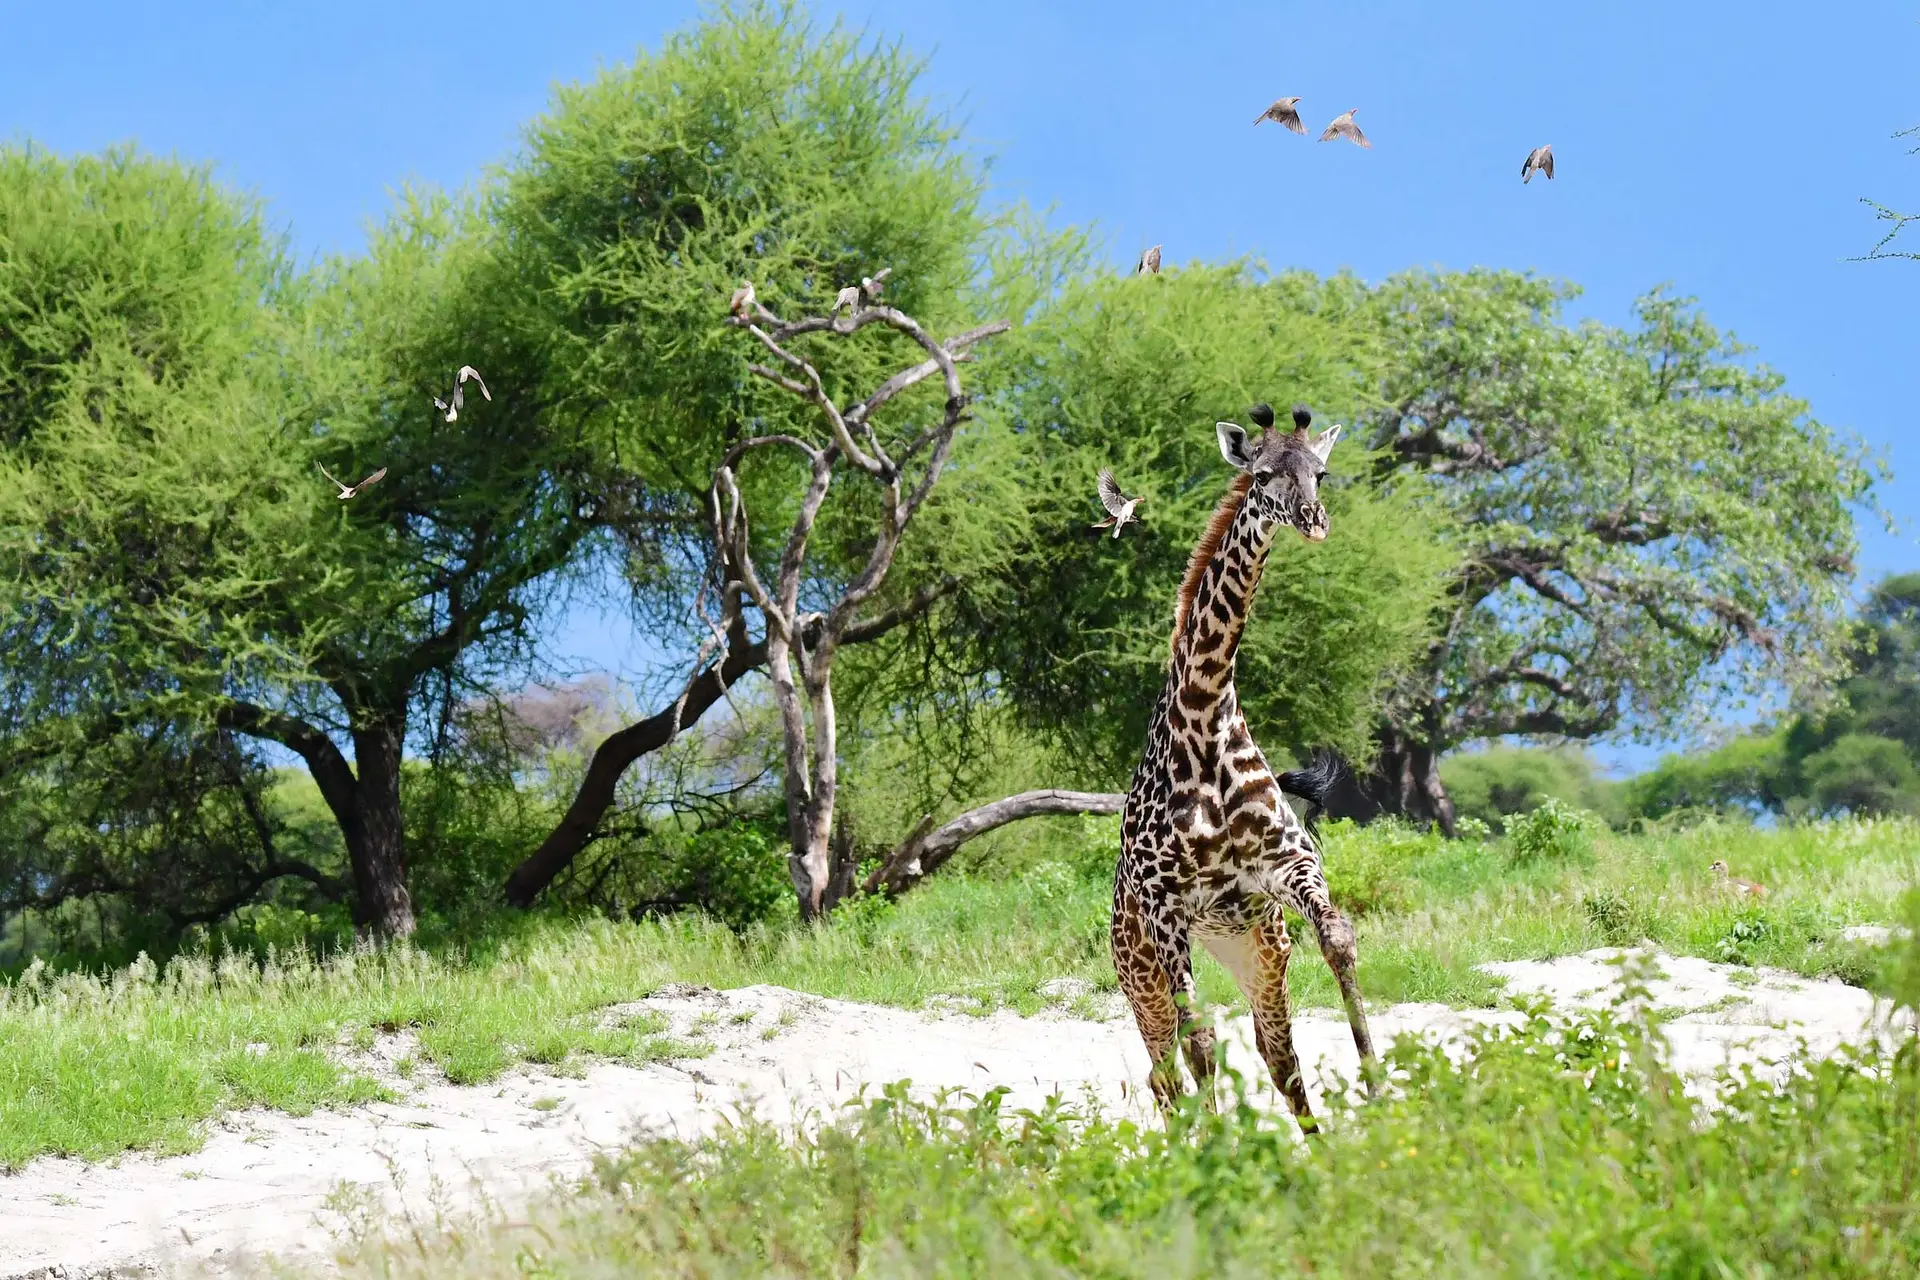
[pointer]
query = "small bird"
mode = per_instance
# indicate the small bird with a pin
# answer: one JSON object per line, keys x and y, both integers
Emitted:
{"x": 1344, "y": 127}
{"x": 1284, "y": 111}
{"x": 1120, "y": 507}
{"x": 743, "y": 299}
{"x": 871, "y": 284}
{"x": 1734, "y": 884}
{"x": 848, "y": 299}
{"x": 1539, "y": 160}
{"x": 451, "y": 405}
{"x": 348, "y": 490}
{"x": 1149, "y": 262}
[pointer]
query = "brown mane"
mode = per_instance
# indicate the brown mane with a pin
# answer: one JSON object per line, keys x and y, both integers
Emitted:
{"x": 1203, "y": 551}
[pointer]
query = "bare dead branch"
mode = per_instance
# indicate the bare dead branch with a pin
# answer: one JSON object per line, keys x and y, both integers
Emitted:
{"x": 922, "y": 852}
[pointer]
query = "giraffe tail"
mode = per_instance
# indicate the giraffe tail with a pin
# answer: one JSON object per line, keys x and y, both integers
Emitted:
{"x": 1315, "y": 783}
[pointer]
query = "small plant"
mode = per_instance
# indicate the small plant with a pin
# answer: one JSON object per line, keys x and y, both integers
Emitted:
{"x": 1616, "y": 915}
{"x": 1748, "y": 931}
{"x": 1553, "y": 832}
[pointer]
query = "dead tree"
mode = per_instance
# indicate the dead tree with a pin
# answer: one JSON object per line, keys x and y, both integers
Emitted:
{"x": 802, "y": 643}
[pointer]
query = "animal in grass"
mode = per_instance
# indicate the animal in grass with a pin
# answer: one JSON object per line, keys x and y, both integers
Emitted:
{"x": 1149, "y": 263}
{"x": 1539, "y": 160}
{"x": 1209, "y": 849}
{"x": 1727, "y": 882}
{"x": 1120, "y": 507}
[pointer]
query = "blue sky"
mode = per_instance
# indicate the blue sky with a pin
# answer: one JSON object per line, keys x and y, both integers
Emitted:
{"x": 1720, "y": 147}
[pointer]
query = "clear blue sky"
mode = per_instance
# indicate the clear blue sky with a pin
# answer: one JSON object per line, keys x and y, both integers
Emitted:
{"x": 1721, "y": 147}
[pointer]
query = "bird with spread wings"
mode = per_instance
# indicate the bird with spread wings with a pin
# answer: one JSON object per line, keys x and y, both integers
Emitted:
{"x": 455, "y": 398}
{"x": 1120, "y": 508}
{"x": 348, "y": 490}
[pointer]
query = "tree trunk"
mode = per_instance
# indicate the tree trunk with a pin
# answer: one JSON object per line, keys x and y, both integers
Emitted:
{"x": 612, "y": 758}
{"x": 376, "y": 841}
{"x": 1405, "y": 781}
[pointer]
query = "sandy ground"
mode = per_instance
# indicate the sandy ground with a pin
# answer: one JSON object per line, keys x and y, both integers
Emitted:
{"x": 267, "y": 1183}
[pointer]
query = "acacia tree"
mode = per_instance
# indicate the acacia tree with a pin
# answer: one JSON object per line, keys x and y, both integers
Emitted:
{"x": 758, "y": 145}
{"x": 169, "y": 552}
{"x": 1651, "y": 525}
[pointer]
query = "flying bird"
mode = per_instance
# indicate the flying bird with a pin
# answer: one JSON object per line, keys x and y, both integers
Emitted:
{"x": 743, "y": 299}
{"x": 873, "y": 282}
{"x": 451, "y": 405}
{"x": 1283, "y": 111}
{"x": 1149, "y": 262}
{"x": 848, "y": 299}
{"x": 1120, "y": 507}
{"x": 1539, "y": 160}
{"x": 1344, "y": 127}
{"x": 348, "y": 490}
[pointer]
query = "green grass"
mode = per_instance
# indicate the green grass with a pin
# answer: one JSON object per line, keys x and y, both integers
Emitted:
{"x": 91, "y": 1067}
{"x": 1562, "y": 1148}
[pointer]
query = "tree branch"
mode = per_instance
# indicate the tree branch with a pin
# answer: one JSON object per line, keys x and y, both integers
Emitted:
{"x": 922, "y": 853}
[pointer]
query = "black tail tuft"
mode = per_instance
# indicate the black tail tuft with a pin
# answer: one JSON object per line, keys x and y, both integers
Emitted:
{"x": 1315, "y": 783}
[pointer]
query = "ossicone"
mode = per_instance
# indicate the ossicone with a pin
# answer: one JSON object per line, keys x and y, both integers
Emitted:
{"x": 1262, "y": 415}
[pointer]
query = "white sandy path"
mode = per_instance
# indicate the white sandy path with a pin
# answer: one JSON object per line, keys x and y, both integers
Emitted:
{"x": 262, "y": 1182}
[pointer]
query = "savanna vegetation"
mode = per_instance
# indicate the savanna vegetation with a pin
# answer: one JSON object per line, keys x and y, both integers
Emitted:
{"x": 279, "y": 769}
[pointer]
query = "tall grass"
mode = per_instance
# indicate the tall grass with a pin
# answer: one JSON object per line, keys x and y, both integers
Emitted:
{"x": 94, "y": 1065}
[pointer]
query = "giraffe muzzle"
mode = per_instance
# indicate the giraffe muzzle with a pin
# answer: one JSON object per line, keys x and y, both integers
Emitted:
{"x": 1313, "y": 523}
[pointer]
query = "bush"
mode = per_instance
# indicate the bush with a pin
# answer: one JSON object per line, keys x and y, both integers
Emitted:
{"x": 1862, "y": 774}
{"x": 1554, "y": 831}
{"x": 1746, "y": 775}
{"x": 1367, "y": 867}
{"x": 1500, "y": 783}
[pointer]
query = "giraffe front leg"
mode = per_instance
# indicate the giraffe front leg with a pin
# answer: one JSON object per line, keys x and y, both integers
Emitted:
{"x": 1342, "y": 952}
{"x": 1136, "y": 963}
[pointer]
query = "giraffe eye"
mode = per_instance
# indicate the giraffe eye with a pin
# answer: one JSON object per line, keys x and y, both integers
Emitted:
{"x": 1262, "y": 476}
{"x": 1320, "y": 477}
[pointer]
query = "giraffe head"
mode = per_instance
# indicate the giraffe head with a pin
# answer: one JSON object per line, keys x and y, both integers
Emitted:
{"x": 1286, "y": 469}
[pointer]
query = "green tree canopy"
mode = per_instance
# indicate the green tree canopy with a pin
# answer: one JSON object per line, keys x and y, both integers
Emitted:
{"x": 1651, "y": 525}
{"x": 1132, "y": 372}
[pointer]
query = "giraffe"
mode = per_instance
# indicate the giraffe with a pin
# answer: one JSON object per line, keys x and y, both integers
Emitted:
{"x": 1209, "y": 849}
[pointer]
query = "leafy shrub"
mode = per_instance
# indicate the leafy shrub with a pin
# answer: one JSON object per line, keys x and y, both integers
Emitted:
{"x": 1748, "y": 932}
{"x": 1746, "y": 775}
{"x": 1554, "y": 831}
{"x": 1367, "y": 867}
{"x": 1862, "y": 773}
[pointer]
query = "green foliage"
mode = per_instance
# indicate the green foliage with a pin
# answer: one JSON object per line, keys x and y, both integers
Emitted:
{"x": 1132, "y": 372}
{"x": 1650, "y": 523}
{"x": 1561, "y": 1147}
{"x": 1745, "y": 775}
{"x": 1552, "y": 830}
{"x": 1499, "y": 782}
{"x": 1862, "y": 773}
{"x": 1369, "y": 867}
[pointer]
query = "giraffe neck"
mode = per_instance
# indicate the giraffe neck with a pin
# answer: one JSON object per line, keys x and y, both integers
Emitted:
{"x": 1209, "y": 641}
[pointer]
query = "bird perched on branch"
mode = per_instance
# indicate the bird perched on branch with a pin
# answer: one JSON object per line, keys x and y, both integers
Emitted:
{"x": 742, "y": 300}
{"x": 1344, "y": 127}
{"x": 1733, "y": 884}
{"x": 1120, "y": 507}
{"x": 872, "y": 284}
{"x": 348, "y": 490}
{"x": 1284, "y": 111}
{"x": 1149, "y": 262}
{"x": 1539, "y": 160}
{"x": 848, "y": 299}
{"x": 455, "y": 398}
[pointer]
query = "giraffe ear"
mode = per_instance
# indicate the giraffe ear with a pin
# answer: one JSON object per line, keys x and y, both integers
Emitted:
{"x": 1324, "y": 445}
{"x": 1233, "y": 445}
